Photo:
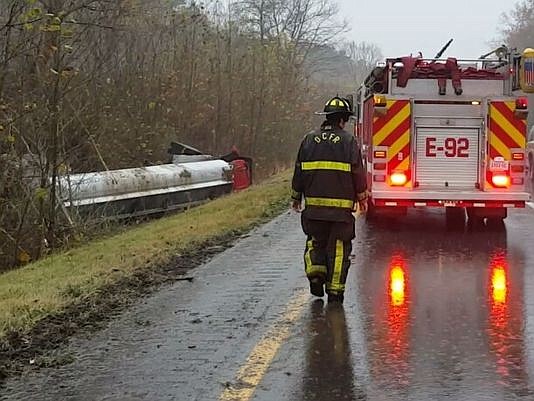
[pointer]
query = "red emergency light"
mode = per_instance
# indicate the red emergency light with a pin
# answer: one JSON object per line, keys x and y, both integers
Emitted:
{"x": 521, "y": 103}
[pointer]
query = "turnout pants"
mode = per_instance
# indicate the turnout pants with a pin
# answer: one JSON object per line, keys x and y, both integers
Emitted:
{"x": 328, "y": 250}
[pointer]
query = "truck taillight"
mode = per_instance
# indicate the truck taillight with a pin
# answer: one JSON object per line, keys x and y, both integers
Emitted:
{"x": 501, "y": 180}
{"x": 380, "y": 178}
{"x": 380, "y": 154}
{"x": 518, "y": 156}
{"x": 380, "y": 166}
{"x": 398, "y": 179}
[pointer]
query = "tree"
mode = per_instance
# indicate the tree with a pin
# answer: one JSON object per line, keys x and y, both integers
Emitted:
{"x": 89, "y": 85}
{"x": 518, "y": 30}
{"x": 364, "y": 57}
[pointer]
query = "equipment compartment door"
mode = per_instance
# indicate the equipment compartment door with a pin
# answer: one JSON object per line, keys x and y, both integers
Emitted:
{"x": 447, "y": 158}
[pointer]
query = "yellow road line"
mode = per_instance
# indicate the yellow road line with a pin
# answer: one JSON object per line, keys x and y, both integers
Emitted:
{"x": 258, "y": 362}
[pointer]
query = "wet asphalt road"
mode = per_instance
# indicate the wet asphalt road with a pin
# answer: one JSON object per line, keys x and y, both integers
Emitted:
{"x": 430, "y": 314}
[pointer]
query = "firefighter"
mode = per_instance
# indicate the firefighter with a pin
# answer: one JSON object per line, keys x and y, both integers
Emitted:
{"x": 329, "y": 182}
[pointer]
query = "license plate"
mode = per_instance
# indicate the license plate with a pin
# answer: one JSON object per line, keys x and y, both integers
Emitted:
{"x": 450, "y": 203}
{"x": 499, "y": 165}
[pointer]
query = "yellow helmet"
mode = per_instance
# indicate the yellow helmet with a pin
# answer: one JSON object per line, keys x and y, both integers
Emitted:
{"x": 337, "y": 105}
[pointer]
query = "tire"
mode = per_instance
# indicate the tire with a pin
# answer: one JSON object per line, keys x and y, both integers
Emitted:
{"x": 495, "y": 223}
{"x": 455, "y": 217}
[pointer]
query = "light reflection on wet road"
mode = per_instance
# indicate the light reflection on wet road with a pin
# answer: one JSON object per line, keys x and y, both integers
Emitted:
{"x": 445, "y": 311}
{"x": 437, "y": 314}
{"x": 430, "y": 314}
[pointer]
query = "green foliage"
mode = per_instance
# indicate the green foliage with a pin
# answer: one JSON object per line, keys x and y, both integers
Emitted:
{"x": 41, "y": 194}
{"x": 30, "y": 15}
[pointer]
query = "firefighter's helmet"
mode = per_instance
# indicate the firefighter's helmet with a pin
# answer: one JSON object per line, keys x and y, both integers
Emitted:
{"x": 337, "y": 105}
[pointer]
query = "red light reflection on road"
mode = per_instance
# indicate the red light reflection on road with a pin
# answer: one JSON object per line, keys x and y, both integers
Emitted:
{"x": 499, "y": 285}
{"x": 397, "y": 286}
{"x": 398, "y": 318}
{"x": 389, "y": 359}
{"x": 498, "y": 292}
{"x": 505, "y": 321}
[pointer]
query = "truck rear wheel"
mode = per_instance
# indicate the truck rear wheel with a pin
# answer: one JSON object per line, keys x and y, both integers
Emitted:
{"x": 494, "y": 216}
{"x": 495, "y": 223}
{"x": 455, "y": 217}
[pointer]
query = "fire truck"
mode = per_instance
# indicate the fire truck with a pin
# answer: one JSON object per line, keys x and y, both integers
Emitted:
{"x": 447, "y": 133}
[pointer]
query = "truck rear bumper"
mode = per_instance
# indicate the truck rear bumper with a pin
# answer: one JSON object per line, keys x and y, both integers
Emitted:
{"x": 450, "y": 199}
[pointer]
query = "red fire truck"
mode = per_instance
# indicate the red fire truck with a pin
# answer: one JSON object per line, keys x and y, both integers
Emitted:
{"x": 446, "y": 133}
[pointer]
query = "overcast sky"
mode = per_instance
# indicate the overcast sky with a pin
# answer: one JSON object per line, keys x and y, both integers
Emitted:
{"x": 403, "y": 27}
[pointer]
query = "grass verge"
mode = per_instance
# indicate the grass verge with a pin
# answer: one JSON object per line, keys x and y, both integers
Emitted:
{"x": 44, "y": 303}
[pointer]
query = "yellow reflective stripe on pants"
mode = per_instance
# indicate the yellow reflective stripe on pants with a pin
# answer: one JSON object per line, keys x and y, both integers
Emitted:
{"x": 330, "y": 202}
{"x": 311, "y": 269}
{"x": 324, "y": 165}
{"x": 307, "y": 256}
{"x": 316, "y": 270}
{"x": 336, "y": 284}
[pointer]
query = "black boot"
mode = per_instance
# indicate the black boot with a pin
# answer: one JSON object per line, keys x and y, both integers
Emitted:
{"x": 335, "y": 298}
{"x": 317, "y": 287}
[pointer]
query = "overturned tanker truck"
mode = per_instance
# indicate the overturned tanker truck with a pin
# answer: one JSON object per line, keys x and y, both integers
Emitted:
{"x": 190, "y": 179}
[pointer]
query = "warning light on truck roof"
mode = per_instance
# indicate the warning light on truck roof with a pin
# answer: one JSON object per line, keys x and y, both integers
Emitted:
{"x": 380, "y": 101}
{"x": 521, "y": 103}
